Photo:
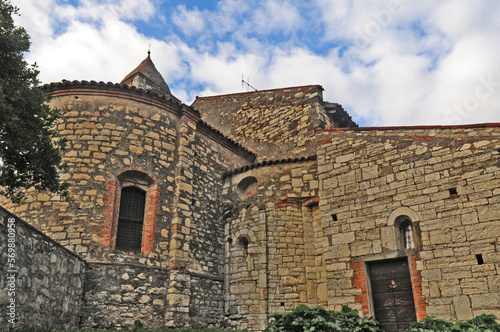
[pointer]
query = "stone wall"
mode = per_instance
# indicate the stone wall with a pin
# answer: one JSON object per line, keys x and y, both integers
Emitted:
{"x": 270, "y": 267}
{"x": 44, "y": 285}
{"x": 272, "y": 122}
{"x": 229, "y": 240}
{"x": 302, "y": 232}
{"x": 447, "y": 181}
{"x": 117, "y": 137}
{"x": 107, "y": 136}
{"x": 118, "y": 294}
{"x": 196, "y": 249}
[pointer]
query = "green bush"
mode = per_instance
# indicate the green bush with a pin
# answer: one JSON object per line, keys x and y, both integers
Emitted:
{"x": 431, "y": 324}
{"x": 305, "y": 319}
{"x": 481, "y": 323}
{"x": 137, "y": 328}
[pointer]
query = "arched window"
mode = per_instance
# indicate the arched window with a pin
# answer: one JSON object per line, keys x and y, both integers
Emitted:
{"x": 406, "y": 233}
{"x": 131, "y": 219}
{"x": 243, "y": 242}
{"x": 247, "y": 187}
{"x": 406, "y": 229}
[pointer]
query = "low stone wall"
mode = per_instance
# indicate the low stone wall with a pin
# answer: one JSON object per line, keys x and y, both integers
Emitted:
{"x": 41, "y": 283}
{"x": 116, "y": 295}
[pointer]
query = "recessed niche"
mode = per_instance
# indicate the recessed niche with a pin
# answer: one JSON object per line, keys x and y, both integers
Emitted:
{"x": 479, "y": 258}
{"x": 247, "y": 187}
{"x": 243, "y": 242}
{"x": 453, "y": 192}
{"x": 334, "y": 217}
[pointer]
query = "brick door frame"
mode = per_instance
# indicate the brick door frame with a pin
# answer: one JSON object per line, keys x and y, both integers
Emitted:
{"x": 361, "y": 280}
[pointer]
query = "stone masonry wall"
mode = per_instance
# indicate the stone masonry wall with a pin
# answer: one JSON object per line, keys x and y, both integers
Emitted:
{"x": 112, "y": 141}
{"x": 196, "y": 248}
{"x": 41, "y": 283}
{"x": 118, "y": 294}
{"x": 271, "y": 123}
{"x": 106, "y": 137}
{"x": 447, "y": 180}
{"x": 270, "y": 266}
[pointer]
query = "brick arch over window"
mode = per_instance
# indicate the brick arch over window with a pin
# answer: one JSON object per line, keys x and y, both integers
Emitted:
{"x": 139, "y": 189}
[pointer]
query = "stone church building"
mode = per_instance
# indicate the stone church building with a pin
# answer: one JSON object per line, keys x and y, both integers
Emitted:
{"x": 240, "y": 206}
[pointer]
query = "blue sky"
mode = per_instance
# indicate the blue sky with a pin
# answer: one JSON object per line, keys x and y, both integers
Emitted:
{"x": 396, "y": 62}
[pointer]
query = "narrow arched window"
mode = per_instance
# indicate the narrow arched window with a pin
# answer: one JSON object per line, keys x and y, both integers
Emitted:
{"x": 243, "y": 243}
{"x": 406, "y": 229}
{"x": 130, "y": 219}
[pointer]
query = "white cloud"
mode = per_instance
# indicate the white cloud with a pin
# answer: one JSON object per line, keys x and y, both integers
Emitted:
{"x": 190, "y": 21}
{"x": 397, "y": 62}
{"x": 275, "y": 15}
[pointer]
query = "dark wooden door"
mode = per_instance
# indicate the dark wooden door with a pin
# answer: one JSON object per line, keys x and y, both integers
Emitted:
{"x": 392, "y": 294}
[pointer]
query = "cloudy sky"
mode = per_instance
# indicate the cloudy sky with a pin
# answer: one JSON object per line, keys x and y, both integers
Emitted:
{"x": 388, "y": 62}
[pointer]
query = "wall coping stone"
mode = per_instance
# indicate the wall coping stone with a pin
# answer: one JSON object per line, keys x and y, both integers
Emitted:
{"x": 45, "y": 236}
{"x": 467, "y": 126}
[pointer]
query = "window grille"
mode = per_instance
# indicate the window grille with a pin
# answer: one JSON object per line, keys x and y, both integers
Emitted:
{"x": 131, "y": 219}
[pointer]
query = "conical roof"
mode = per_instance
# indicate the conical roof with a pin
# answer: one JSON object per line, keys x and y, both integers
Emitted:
{"x": 146, "y": 76}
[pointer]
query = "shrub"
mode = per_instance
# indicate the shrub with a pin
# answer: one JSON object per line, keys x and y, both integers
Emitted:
{"x": 431, "y": 324}
{"x": 481, "y": 323}
{"x": 305, "y": 319}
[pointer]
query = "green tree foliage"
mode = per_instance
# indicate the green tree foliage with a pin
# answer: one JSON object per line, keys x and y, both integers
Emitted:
{"x": 30, "y": 150}
{"x": 481, "y": 323}
{"x": 305, "y": 319}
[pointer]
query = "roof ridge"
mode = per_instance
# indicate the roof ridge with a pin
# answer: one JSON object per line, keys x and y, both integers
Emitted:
{"x": 261, "y": 91}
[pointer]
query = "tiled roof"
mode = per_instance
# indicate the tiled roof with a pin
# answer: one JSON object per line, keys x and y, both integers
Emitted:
{"x": 268, "y": 163}
{"x": 71, "y": 84}
{"x": 258, "y": 92}
{"x": 477, "y": 125}
{"x": 148, "y": 69}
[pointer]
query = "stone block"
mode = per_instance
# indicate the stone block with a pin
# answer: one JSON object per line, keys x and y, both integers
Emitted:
{"x": 342, "y": 238}
{"x": 487, "y": 213}
{"x": 136, "y": 149}
{"x": 450, "y": 288}
{"x": 345, "y": 158}
{"x": 494, "y": 283}
{"x": 144, "y": 299}
{"x": 439, "y": 311}
{"x": 463, "y": 309}
{"x": 440, "y": 236}
{"x": 474, "y": 285}
{"x": 483, "y": 231}
{"x": 297, "y": 183}
{"x": 434, "y": 275}
{"x": 487, "y": 300}
{"x": 369, "y": 172}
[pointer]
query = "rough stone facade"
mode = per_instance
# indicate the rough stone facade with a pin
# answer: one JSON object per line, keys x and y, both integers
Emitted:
{"x": 40, "y": 280}
{"x": 447, "y": 181}
{"x": 299, "y": 213}
{"x": 273, "y": 122}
